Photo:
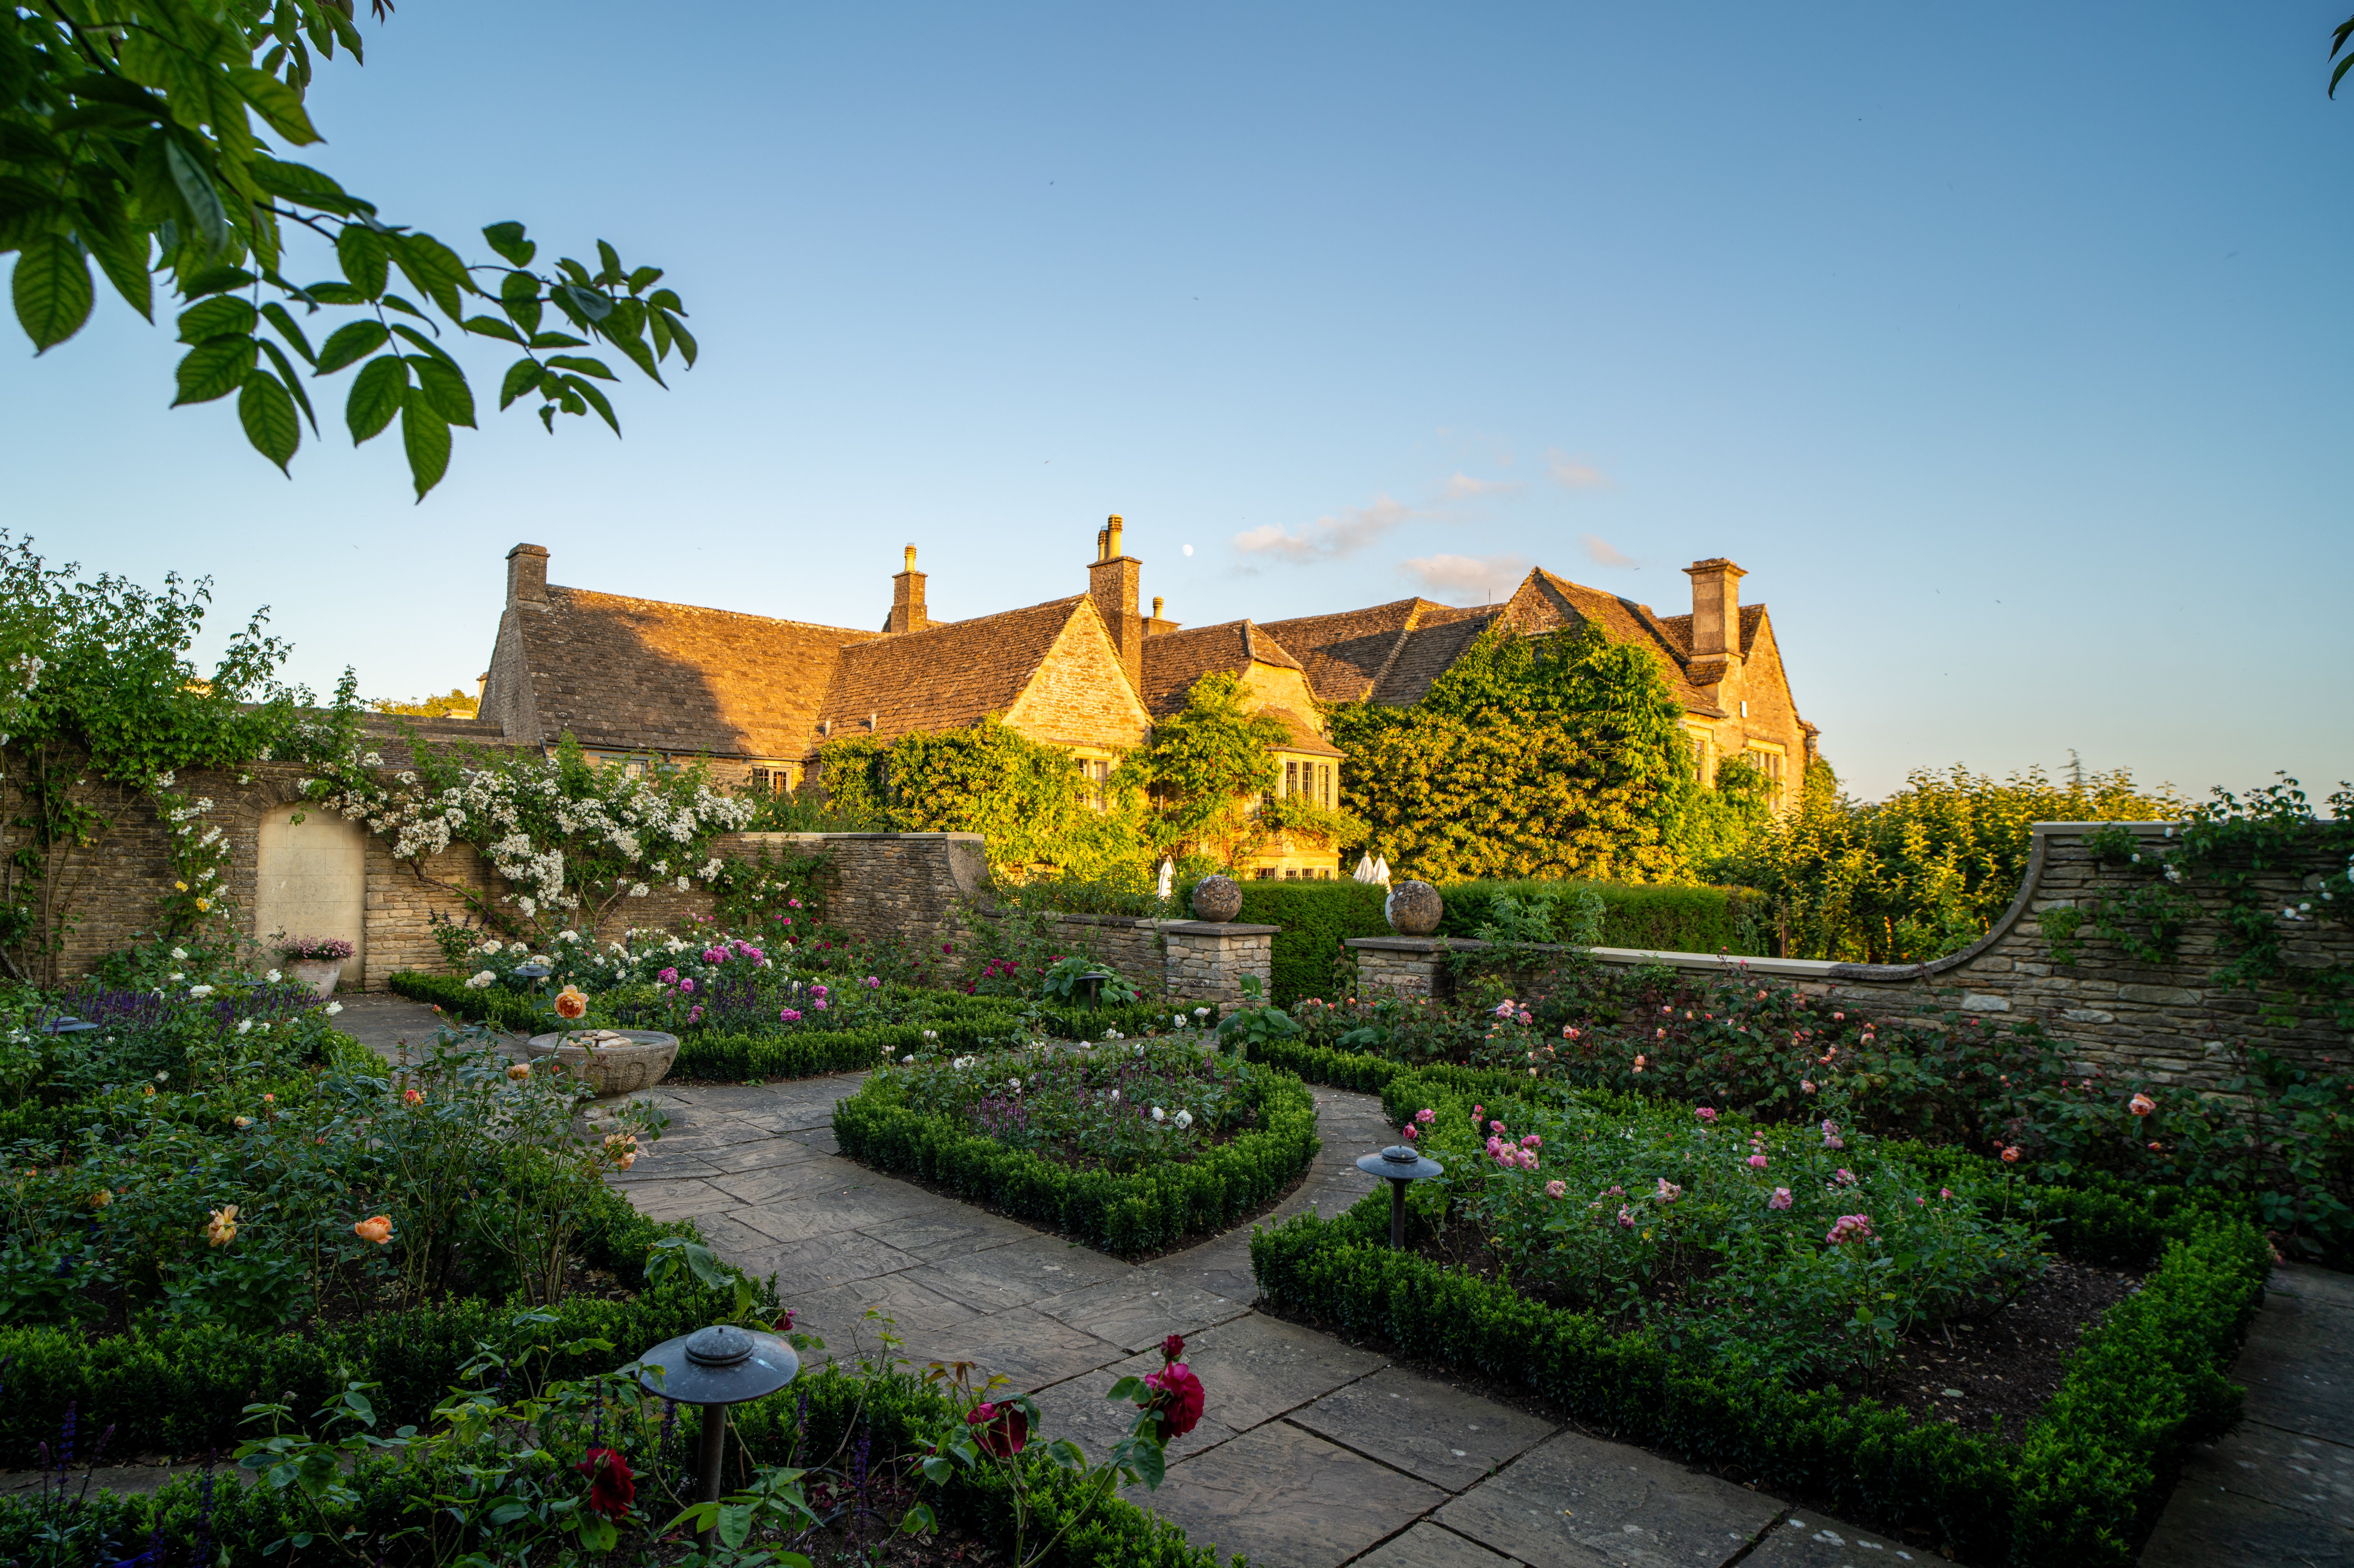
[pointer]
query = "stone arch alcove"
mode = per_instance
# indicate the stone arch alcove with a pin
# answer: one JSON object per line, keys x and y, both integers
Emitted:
{"x": 311, "y": 880}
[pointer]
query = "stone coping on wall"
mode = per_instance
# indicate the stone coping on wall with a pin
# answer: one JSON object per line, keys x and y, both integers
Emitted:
{"x": 1786, "y": 968}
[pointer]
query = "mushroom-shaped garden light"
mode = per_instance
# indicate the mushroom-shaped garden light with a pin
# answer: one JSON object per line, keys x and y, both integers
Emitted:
{"x": 1399, "y": 1164}
{"x": 715, "y": 1368}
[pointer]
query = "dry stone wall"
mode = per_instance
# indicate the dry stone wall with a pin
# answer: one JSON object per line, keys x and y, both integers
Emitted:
{"x": 2167, "y": 1024}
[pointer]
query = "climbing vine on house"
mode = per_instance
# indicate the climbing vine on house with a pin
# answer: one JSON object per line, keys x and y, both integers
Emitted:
{"x": 101, "y": 710}
{"x": 1552, "y": 755}
{"x": 1210, "y": 776}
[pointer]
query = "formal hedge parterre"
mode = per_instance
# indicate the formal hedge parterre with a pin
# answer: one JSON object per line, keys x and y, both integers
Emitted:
{"x": 2081, "y": 1487}
{"x": 180, "y": 1390}
{"x": 825, "y": 1411}
{"x": 1121, "y": 1214}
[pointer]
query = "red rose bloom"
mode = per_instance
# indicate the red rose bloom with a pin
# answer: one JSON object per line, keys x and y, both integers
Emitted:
{"x": 1001, "y": 1430}
{"x": 1177, "y": 1399}
{"x": 1173, "y": 1347}
{"x": 611, "y": 1488}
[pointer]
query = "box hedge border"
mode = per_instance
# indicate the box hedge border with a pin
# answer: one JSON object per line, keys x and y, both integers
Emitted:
{"x": 2083, "y": 1486}
{"x": 897, "y": 1413}
{"x": 181, "y": 1390}
{"x": 1121, "y": 1214}
{"x": 1665, "y": 916}
{"x": 963, "y": 1023}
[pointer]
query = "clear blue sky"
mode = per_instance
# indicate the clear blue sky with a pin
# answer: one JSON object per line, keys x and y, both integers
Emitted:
{"x": 2007, "y": 347}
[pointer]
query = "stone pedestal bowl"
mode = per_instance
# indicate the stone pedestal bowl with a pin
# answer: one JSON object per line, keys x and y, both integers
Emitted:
{"x": 613, "y": 1061}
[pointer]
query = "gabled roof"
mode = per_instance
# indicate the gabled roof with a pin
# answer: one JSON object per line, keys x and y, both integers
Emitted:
{"x": 1173, "y": 661}
{"x": 1427, "y": 650}
{"x": 634, "y": 674}
{"x": 1624, "y": 621}
{"x": 943, "y": 677}
{"x": 1303, "y": 735}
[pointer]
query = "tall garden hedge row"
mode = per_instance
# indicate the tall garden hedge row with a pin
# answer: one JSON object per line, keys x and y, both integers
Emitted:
{"x": 1122, "y": 1214}
{"x": 1676, "y": 917}
{"x": 1316, "y": 917}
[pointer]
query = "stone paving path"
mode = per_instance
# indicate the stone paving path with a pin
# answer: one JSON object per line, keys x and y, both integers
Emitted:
{"x": 1314, "y": 1453}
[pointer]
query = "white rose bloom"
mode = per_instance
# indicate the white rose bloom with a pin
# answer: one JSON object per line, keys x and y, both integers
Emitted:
{"x": 1115, "y": 1097}
{"x": 200, "y": 990}
{"x": 1185, "y": 1119}
{"x": 334, "y": 1008}
{"x": 1157, "y": 1115}
{"x": 904, "y": 1061}
{"x": 1014, "y": 1084}
{"x": 638, "y": 890}
{"x": 685, "y": 884}
{"x": 179, "y": 955}
{"x": 177, "y": 975}
{"x": 481, "y": 981}
{"x": 272, "y": 977}
{"x": 243, "y": 1025}
{"x": 517, "y": 948}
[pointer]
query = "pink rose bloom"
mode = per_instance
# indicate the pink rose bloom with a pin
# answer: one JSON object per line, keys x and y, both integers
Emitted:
{"x": 1528, "y": 1018}
{"x": 668, "y": 977}
{"x": 818, "y": 991}
{"x": 1945, "y": 1192}
{"x": 1426, "y": 1115}
{"x": 2141, "y": 1105}
{"x": 1409, "y": 1131}
{"x": 1669, "y": 1192}
{"x": 1557, "y": 1188}
{"x": 1758, "y": 1162}
{"x": 1806, "y": 1086}
{"x": 1844, "y": 1177}
{"x": 874, "y": 984}
{"x": 1532, "y": 1141}
{"x": 1625, "y": 1216}
{"x": 1504, "y": 1008}
{"x": 1478, "y": 1111}
{"x": 1780, "y": 1200}
{"x": 1496, "y": 1126}
{"x": 1567, "y": 1032}
{"x": 789, "y": 1015}
{"x": 1706, "y": 1114}
{"x": 819, "y": 1004}
{"x": 686, "y": 985}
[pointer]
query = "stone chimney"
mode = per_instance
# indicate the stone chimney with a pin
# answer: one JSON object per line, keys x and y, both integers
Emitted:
{"x": 527, "y": 577}
{"x": 1716, "y": 620}
{"x": 908, "y": 598}
{"x": 1112, "y": 580}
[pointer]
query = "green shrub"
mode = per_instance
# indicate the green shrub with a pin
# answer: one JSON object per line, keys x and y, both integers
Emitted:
{"x": 1316, "y": 917}
{"x": 1672, "y": 917}
{"x": 1124, "y": 1215}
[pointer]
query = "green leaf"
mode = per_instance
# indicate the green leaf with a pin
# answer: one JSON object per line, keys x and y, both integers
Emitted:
{"x": 283, "y": 319}
{"x": 336, "y": 294}
{"x": 361, "y": 252}
{"x": 643, "y": 277}
{"x": 121, "y": 248}
{"x": 522, "y": 376}
{"x": 445, "y": 385}
{"x": 426, "y": 436}
{"x": 595, "y": 399}
{"x": 215, "y": 369}
{"x": 424, "y": 343}
{"x": 52, "y": 289}
{"x": 557, "y": 340}
{"x": 268, "y": 415}
{"x": 508, "y": 239}
{"x": 214, "y": 280}
{"x": 276, "y": 103}
{"x": 686, "y": 338}
{"x": 434, "y": 267}
{"x": 304, "y": 186}
{"x": 490, "y": 326}
{"x": 585, "y": 366}
{"x": 197, "y": 189}
{"x": 595, "y": 306}
{"x": 376, "y": 396}
{"x": 293, "y": 383}
{"x": 612, "y": 261}
{"x": 349, "y": 344}
{"x": 219, "y": 316}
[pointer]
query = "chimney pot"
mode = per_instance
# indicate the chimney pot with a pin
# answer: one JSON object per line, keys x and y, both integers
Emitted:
{"x": 871, "y": 725}
{"x": 1156, "y": 607}
{"x": 1112, "y": 526}
{"x": 527, "y": 576}
{"x": 1716, "y": 617}
{"x": 911, "y": 558}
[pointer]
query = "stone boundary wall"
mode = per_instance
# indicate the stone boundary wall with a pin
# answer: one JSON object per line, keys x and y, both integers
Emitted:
{"x": 2160, "y": 1023}
{"x": 1198, "y": 961}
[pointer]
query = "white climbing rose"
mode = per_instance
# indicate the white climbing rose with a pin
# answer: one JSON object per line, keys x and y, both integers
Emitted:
{"x": 1184, "y": 1119}
{"x": 1157, "y": 1115}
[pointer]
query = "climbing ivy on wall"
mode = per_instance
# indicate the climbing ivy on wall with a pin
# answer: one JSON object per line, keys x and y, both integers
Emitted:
{"x": 1552, "y": 755}
{"x": 100, "y": 709}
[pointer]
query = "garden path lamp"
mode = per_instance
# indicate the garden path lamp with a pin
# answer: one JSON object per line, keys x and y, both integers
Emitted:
{"x": 715, "y": 1368}
{"x": 533, "y": 972}
{"x": 1092, "y": 982}
{"x": 1399, "y": 1164}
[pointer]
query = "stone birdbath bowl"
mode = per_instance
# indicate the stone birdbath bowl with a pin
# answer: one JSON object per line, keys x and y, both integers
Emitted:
{"x": 612, "y": 1061}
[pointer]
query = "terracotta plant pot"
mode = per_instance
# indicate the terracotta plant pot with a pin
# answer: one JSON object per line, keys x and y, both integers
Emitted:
{"x": 612, "y": 1061}
{"x": 319, "y": 974}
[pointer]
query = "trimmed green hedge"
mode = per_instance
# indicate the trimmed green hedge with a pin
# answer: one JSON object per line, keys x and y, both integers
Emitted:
{"x": 181, "y": 1390}
{"x": 1676, "y": 917}
{"x": 824, "y": 1412}
{"x": 1123, "y": 1215}
{"x": 2092, "y": 1472}
{"x": 1316, "y": 917}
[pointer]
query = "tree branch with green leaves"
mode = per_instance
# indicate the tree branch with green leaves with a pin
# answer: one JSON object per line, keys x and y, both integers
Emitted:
{"x": 128, "y": 140}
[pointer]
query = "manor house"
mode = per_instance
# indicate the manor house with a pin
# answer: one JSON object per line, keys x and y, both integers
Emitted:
{"x": 638, "y": 682}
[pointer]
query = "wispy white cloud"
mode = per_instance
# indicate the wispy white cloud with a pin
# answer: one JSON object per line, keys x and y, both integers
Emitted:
{"x": 1468, "y": 579}
{"x": 1331, "y": 537}
{"x": 1463, "y": 487}
{"x": 1574, "y": 473}
{"x": 1603, "y": 553}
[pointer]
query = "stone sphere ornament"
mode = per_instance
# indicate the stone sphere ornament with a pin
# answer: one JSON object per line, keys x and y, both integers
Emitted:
{"x": 1413, "y": 909}
{"x": 1216, "y": 898}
